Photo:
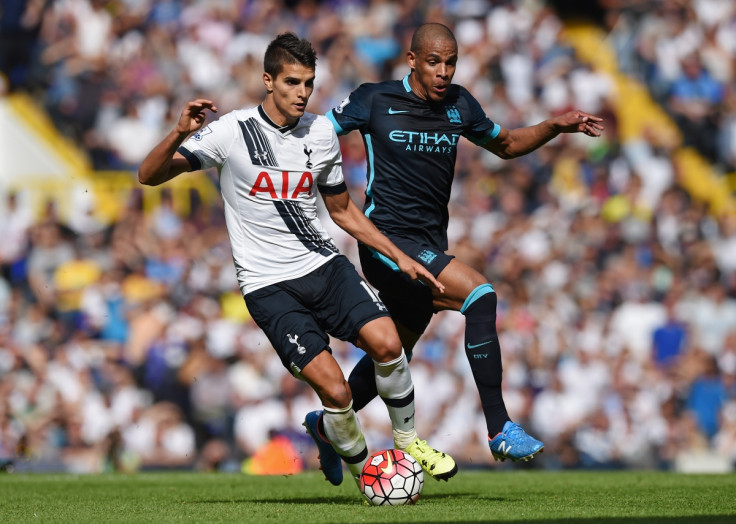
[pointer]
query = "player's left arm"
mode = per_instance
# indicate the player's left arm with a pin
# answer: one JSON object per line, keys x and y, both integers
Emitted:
{"x": 350, "y": 218}
{"x": 512, "y": 143}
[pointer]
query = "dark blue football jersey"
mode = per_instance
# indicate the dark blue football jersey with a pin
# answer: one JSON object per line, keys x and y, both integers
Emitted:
{"x": 411, "y": 147}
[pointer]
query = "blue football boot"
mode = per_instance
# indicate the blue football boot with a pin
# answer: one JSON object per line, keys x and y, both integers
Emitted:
{"x": 329, "y": 460}
{"x": 514, "y": 443}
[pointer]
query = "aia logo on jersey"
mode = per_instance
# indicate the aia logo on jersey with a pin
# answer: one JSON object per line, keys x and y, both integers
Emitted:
{"x": 291, "y": 184}
{"x": 453, "y": 115}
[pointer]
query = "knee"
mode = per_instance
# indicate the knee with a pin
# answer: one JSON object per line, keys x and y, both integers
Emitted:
{"x": 336, "y": 394}
{"x": 481, "y": 301}
{"x": 380, "y": 340}
{"x": 386, "y": 347}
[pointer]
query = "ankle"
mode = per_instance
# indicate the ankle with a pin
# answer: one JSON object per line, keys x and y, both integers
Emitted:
{"x": 402, "y": 439}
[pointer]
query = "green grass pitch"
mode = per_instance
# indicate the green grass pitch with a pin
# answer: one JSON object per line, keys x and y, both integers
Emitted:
{"x": 472, "y": 496}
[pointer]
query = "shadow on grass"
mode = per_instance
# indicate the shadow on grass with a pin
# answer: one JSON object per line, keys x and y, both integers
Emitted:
{"x": 353, "y": 502}
{"x": 293, "y": 500}
{"x": 339, "y": 499}
{"x": 350, "y": 501}
{"x": 709, "y": 519}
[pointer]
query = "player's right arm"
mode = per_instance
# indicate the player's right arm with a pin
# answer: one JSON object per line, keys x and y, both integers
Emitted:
{"x": 163, "y": 162}
{"x": 350, "y": 218}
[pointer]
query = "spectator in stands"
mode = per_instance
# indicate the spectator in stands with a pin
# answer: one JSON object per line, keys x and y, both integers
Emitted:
{"x": 17, "y": 220}
{"x": 725, "y": 440}
{"x": 669, "y": 339}
{"x": 694, "y": 101}
{"x": 50, "y": 251}
{"x": 707, "y": 396}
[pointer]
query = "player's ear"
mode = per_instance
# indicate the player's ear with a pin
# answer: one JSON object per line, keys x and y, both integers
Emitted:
{"x": 268, "y": 82}
{"x": 411, "y": 59}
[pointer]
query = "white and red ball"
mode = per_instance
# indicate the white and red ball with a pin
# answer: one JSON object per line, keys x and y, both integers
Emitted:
{"x": 391, "y": 478}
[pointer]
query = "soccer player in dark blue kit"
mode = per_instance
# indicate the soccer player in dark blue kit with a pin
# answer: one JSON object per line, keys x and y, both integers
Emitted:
{"x": 410, "y": 129}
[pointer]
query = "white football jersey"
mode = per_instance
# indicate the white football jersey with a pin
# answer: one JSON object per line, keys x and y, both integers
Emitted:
{"x": 268, "y": 178}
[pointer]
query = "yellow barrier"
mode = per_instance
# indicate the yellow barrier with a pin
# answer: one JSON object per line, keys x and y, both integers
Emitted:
{"x": 104, "y": 193}
{"x": 638, "y": 111}
{"x": 109, "y": 192}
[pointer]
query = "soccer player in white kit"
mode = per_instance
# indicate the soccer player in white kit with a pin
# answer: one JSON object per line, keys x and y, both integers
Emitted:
{"x": 297, "y": 286}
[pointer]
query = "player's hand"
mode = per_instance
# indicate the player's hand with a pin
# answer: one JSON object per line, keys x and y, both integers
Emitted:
{"x": 418, "y": 272}
{"x": 579, "y": 122}
{"x": 193, "y": 116}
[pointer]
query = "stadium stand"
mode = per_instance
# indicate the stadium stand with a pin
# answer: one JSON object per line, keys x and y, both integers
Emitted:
{"x": 124, "y": 342}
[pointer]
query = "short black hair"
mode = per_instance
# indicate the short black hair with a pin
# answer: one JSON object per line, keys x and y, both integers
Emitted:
{"x": 287, "y": 48}
{"x": 430, "y": 31}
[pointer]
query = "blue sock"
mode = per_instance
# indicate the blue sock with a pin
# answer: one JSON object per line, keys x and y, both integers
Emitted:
{"x": 484, "y": 355}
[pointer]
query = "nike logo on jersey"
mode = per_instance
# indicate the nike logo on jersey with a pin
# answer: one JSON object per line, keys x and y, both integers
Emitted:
{"x": 392, "y": 111}
{"x": 473, "y": 346}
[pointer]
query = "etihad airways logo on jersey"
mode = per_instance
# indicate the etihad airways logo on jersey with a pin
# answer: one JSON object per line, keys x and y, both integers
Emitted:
{"x": 286, "y": 188}
{"x": 425, "y": 141}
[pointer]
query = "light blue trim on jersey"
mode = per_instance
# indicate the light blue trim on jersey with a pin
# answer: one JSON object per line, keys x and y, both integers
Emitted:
{"x": 338, "y": 128}
{"x": 388, "y": 262}
{"x": 474, "y": 295}
{"x": 484, "y": 140}
{"x": 406, "y": 83}
{"x": 371, "y": 174}
{"x": 384, "y": 259}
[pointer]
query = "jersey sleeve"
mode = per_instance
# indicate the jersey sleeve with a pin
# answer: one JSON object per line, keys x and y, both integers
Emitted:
{"x": 353, "y": 112}
{"x": 209, "y": 146}
{"x": 330, "y": 178}
{"x": 480, "y": 129}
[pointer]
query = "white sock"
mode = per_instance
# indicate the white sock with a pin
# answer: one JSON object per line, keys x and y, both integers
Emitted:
{"x": 396, "y": 389}
{"x": 402, "y": 439}
{"x": 343, "y": 430}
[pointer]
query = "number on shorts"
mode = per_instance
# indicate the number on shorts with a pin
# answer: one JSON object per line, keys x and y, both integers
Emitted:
{"x": 373, "y": 295}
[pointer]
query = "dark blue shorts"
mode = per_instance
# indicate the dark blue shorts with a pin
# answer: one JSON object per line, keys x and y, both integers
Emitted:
{"x": 298, "y": 315}
{"x": 408, "y": 301}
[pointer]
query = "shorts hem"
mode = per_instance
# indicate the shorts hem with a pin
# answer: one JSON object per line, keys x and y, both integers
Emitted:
{"x": 362, "y": 323}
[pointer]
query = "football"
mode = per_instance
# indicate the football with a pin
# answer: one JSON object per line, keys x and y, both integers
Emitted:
{"x": 391, "y": 478}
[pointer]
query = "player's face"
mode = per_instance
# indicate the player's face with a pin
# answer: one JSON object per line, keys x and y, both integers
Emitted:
{"x": 288, "y": 93}
{"x": 433, "y": 67}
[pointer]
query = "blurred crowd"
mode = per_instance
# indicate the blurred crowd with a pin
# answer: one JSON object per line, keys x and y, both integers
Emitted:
{"x": 685, "y": 51}
{"x": 126, "y": 346}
